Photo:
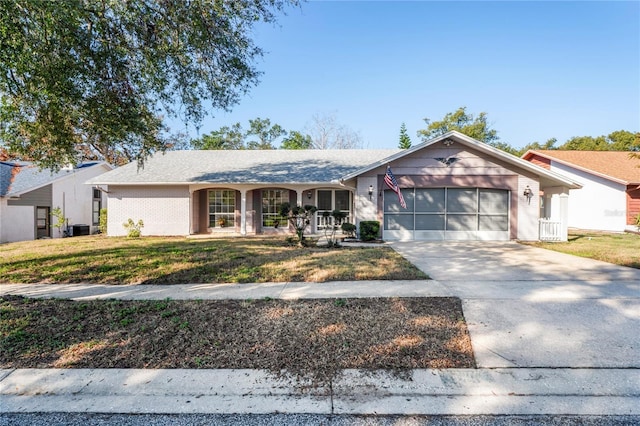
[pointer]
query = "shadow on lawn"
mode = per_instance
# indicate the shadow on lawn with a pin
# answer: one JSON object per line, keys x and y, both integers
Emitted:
{"x": 160, "y": 261}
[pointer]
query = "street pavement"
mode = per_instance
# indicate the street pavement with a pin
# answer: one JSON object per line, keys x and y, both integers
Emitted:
{"x": 552, "y": 335}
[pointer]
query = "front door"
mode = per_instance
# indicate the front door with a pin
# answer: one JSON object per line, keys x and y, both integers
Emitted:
{"x": 43, "y": 222}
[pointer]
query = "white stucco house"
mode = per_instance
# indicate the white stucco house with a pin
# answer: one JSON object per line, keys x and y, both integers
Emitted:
{"x": 610, "y": 197}
{"x": 28, "y": 195}
{"x": 455, "y": 188}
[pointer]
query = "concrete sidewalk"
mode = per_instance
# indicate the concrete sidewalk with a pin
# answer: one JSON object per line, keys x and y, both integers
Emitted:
{"x": 289, "y": 290}
{"x": 422, "y": 392}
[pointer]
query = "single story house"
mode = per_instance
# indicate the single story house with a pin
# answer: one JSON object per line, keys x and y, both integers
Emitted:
{"x": 28, "y": 195}
{"x": 610, "y": 198}
{"x": 455, "y": 188}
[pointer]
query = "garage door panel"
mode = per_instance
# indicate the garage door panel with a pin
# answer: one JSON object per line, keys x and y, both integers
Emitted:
{"x": 494, "y": 201}
{"x": 494, "y": 223}
{"x": 447, "y": 214}
{"x": 392, "y": 204}
{"x": 429, "y": 235}
{"x": 429, "y": 222}
{"x": 430, "y": 200}
{"x": 395, "y": 222}
{"x": 462, "y": 222}
{"x": 462, "y": 200}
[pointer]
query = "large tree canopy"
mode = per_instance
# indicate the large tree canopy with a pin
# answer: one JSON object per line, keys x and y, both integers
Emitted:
{"x": 98, "y": 76}
{"x": 261, "y": 135}
{"x": 475, "y": 127}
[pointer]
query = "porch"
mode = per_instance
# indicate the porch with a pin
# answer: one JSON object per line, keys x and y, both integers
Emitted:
{"x": 239, "y": 210}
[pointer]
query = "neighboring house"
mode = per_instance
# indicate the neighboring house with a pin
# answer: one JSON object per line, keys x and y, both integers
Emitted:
{"x": 610, "y": 198}
{"x": 28, "y": 195}
{"x": 455, "y": 188}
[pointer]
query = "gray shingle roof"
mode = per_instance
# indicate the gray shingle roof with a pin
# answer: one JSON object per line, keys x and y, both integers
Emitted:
{"x": 245, "y": 166}
{"x": 17, "y": 177}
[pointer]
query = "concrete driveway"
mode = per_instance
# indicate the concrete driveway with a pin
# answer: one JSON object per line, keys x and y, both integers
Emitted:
{"x": 530, "y": 307}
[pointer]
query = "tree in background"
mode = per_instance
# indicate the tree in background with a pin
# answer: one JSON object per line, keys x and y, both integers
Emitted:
{"x": 327, "y": 133}
{"x": 224, "y": 138}
{"x": 296, "y": 140}
{"x": 620, "y": 140}
{"x": 235, "y": 137}
{"x": 405, "y": 140}
{"x": 265, "y": 133}
{"x": 101, "y": 75}
{"x": 475, "y": 127}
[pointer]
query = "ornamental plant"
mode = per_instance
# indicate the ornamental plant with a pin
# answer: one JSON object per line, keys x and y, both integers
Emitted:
{"x": 134, "y": 230}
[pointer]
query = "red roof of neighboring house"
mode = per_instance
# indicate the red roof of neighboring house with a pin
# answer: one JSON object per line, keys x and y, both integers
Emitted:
{"x": 614, "y": 165}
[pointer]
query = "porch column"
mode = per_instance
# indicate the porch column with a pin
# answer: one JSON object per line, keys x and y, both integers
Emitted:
{"x": 559, "y": 209}
{"x": 192, "y": 228}
{"x": 299, "y": 196}
{"x": 564, "y": 214}
{"x": 243, "y": 212}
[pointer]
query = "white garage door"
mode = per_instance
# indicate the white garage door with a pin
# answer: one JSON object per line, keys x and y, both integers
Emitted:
{"x": 447, "y": 214}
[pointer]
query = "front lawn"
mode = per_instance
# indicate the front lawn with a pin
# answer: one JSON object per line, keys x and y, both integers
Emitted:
{"x": 621, "y": 249}
{"x": 314, "y": 338}
{"x": 155, "y": 260}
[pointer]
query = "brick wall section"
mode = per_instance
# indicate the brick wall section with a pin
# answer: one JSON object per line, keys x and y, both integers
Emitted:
{"x": 633, "y": 204}
{"x": 540, "y": 161}
{"x": 163, "y": 209}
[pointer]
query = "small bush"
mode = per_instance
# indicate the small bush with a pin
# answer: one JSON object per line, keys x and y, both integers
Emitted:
{"x": 134, "y": 230}
{"x": 102, "y": 226}
{"x": 369, "y": 230}
{"x": 349, "y": 229}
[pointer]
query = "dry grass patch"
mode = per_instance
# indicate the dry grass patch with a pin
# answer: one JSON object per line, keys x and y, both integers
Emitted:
{"x": 620, "y": 249}
{"x": 100, "y": 260}
{"x": 314, "y": 338}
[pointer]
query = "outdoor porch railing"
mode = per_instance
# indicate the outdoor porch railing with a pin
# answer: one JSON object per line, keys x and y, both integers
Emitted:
{"x": 327, "y": 222}
{"x": 550, "y": 230}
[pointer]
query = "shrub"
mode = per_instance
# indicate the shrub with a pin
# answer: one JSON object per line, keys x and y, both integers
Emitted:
{"x": 102, "y": 226}
{"x": 134, "y": 230}
{"x": 299, "y": 218}
{"x": 638, "y": 222}
{"x": 59, "y": 221}
{"x": 369, "y": 230}
{"x": 349, "y": 229}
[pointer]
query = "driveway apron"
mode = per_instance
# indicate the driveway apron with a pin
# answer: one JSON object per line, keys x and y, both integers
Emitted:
{"x": 530, "y": 307}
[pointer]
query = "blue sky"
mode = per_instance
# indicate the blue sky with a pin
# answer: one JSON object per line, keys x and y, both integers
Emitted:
{"x": 538, "y": 69}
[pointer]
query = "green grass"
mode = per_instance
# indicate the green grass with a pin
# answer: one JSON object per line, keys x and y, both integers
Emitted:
{"x": 620, "y": 249}
{"x": 150, "y": 260}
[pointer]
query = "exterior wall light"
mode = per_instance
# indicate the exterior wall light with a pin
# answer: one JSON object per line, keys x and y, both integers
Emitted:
{"x": 528, "y": 193}
{"x": 370, "y": 191}
{"x": 309, "y": 195}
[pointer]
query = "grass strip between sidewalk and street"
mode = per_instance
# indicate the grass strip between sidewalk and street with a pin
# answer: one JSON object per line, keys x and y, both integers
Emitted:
{"x": 306, "y": 338}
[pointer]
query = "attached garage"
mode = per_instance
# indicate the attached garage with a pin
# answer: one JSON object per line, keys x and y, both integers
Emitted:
{"x": 447, "y": 214}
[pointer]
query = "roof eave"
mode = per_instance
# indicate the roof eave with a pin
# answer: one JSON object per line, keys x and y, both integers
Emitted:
{"x": 577, "y": 167}
{"x": 57, "y": 179}
{"x": 332, "y": 182}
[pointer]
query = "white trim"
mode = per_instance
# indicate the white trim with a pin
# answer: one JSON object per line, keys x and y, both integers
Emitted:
{"x": 480, "y": 146}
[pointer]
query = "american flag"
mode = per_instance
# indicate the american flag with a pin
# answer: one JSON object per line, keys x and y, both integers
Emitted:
{"x": 392, "y": 183}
